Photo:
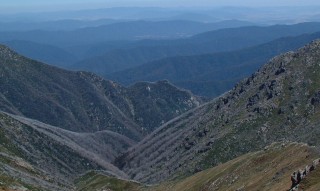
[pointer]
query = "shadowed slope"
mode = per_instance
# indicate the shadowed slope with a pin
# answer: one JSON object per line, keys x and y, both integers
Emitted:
{"x": 84, "y": 102}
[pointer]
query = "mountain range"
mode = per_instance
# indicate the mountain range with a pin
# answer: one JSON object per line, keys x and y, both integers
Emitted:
{"x": 211, "y": 74}
{"x": 37, "y": 42}
{"x": 119, "y": 31}
{"x": 138, "y": 53}
{"x": 57, "y": 125}
{"x": 67, "y": 130}
{"x": 97, "y": 49}
{"x": 265, "y": 15}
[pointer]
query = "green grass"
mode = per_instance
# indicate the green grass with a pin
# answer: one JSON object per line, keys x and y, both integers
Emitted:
{"x": 7, "y": 182}
{"x": 94, "y": 181}
{"x": 6, "y": 145}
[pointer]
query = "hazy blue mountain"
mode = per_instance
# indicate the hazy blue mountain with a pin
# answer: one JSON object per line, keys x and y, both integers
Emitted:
{"x": 65, "y": 24}
{"x": 90, "y": 41}
{"x": 45, "y": 53}
{"x": 101, "y": 47}
{"x": 140, "y": 52}
{"x": 254, "y": 34}
{"x": 130, "y": 30}
{"x": 211, "y": 74}
{"x": 193, "y": 16}
{"x": 274, "y": 15}
{"x": 92, "y": 38}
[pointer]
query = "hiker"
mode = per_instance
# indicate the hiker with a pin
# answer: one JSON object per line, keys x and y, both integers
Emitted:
{"x": 304, "y": 173}
{"x": 311, "y": 168}
{"x": 298, "y": 177}
{"x": 293, "y": 180}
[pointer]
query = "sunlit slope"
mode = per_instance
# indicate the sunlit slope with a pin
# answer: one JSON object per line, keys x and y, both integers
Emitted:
{"x": 265, "y": 170}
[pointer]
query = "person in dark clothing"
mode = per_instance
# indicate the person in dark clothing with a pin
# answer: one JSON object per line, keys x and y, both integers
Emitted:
{"x": 312, "y": 168}
{"x": 304, "y": 173}
{"x": 298, "y": 177}
{"x": 293, "y": 180}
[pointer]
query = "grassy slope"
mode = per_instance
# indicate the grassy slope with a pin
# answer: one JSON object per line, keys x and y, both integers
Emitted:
{"x": 268, "y": 169}
{"x": 312, "y": 182}
{"x": 10, "y": 159}
{"x": 94, "y": 181}
{"x": 264, "y": 170}
{"x": 10, "y": 184}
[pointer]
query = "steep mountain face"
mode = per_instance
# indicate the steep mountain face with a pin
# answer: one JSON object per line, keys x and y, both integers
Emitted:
{"x": 81, "y": 101}
{"x": 162, "y": 97}
{"x": 211, "y": 74}
{"x": 278, "y": 102}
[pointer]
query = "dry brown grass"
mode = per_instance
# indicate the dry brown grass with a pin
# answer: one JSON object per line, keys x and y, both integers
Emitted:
{"x": 6, "y": 189}
{"x": 312, "y": 182}
{"x": 264, "y": 171}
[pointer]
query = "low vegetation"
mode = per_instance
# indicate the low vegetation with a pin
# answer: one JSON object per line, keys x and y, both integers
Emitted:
{"x": 93, "y": 181}
{"x": 268, "y": 169}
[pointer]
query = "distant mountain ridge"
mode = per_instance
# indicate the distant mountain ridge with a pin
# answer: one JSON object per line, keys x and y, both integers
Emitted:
{"x": 99, "y": 49}
{"x": 124, "y": 30}
{"x": 128, "y": 56}
{"x": 44, "y": 53}
{"x": 69, "y": 46}
{"x": 211, "y": 74}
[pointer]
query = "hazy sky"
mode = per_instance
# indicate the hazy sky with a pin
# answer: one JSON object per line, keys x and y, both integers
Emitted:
{"x": 44, "y": 5}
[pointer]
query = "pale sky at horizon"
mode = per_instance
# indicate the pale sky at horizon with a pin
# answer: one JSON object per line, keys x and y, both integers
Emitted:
{"x": 42, "y": 5}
